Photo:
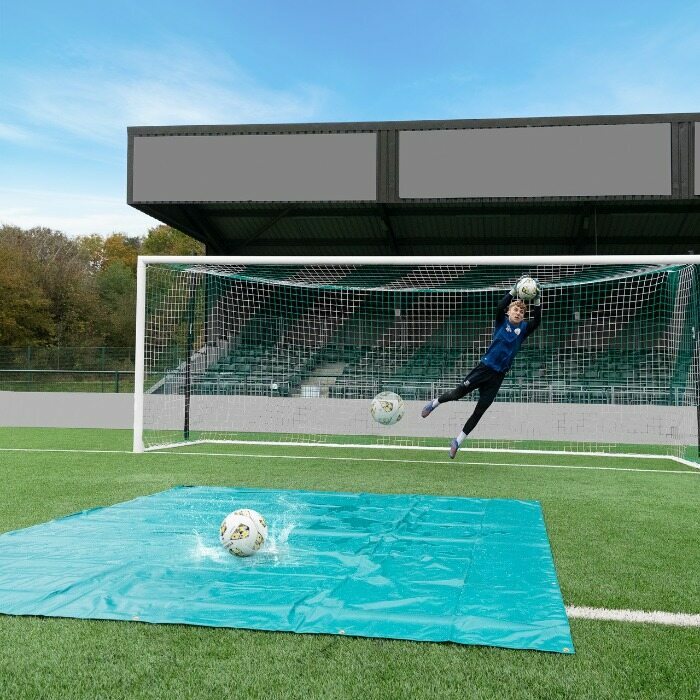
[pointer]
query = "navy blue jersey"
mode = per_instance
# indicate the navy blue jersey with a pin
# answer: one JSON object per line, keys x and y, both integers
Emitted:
{"x": 507, "y": 337}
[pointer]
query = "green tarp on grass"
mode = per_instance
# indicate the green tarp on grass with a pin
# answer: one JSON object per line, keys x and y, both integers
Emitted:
{"x": 425, "y": 568}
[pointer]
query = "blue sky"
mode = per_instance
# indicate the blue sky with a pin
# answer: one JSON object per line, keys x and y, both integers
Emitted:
{"x": 74, "y": 75}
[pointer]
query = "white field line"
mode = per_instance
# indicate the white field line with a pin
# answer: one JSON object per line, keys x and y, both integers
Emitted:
{"x": 573, "y": 612}
{"x": 441, "y": 461}
{"x": 500, "y": 450}
{"x": 656, "y": 617}
{"x": 359, "y": 459}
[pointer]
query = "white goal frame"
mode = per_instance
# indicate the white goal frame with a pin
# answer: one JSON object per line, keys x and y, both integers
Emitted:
{"x": 524, "y": 261}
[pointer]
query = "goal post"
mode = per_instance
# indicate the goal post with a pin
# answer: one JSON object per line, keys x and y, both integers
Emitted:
{"x": 280, "y": 349}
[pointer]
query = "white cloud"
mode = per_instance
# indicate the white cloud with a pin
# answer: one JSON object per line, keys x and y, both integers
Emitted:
{"x": 174, "y": 84}
{"x": 80, "y": 106}
{"x": 73, "y": 214}
{"x": 15, "y": 134}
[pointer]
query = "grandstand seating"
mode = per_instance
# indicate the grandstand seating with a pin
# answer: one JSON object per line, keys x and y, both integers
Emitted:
{"x": 427, "y": 347}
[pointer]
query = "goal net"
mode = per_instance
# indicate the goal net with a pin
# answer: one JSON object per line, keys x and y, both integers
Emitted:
{"x": 236, "y": 349}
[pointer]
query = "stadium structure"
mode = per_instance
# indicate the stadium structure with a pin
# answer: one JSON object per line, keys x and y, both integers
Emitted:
{"x": 550, "y": 186}
{"x": 446, "y": 215}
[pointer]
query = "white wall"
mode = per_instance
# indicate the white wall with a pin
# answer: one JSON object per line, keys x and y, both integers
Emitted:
{"x": 66, "y": 410}
{"x": 570, "y": 422}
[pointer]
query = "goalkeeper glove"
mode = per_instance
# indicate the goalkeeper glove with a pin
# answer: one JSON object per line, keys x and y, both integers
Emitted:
{"x": 538, "y": 297}
{"x": 514, "y": 288}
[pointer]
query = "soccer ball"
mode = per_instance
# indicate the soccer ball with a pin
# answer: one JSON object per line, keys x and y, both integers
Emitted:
{"x": 527, "y": 288}
{"x": 243, "y": 532}
{"x": 387, "y": 408}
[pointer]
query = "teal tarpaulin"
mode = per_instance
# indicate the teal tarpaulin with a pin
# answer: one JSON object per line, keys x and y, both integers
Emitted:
{"x": 426, "y": 568}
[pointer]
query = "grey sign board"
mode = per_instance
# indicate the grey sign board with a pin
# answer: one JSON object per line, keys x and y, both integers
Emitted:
{"x": 255, "y": 168}
{"x": 552, "y": 161}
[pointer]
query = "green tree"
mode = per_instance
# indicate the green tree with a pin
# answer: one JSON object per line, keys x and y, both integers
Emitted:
{"x": 117, "y": 288}
{"x": 122, "y": 248}
{"x": 24, "y": 312}
{"x": 57, "y": 290}
{"x": 165, "y": 240}
{"x": 93, "y": 248}
{"x": 60, "y": 270}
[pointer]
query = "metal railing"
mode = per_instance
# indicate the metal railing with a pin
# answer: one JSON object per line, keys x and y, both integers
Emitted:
{"x": 67, "y": 358}
{"x": 103, "y": 381}
{"x": 122, "y": 381}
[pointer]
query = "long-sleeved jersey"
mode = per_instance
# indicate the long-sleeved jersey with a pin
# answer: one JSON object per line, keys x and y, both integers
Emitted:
{"x": 507, "y": 337}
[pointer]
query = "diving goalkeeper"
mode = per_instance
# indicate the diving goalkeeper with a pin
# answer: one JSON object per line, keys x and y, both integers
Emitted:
{"x": 509, "y": 332}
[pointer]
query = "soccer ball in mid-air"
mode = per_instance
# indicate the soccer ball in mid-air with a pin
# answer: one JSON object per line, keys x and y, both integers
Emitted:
{"x": 527, "y": 288}
{"x": 243, "y": 532}
{"x": 387, "y": 408}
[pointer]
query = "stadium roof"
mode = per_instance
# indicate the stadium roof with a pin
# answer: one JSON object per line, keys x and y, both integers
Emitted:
{"x": 554, "y": 185}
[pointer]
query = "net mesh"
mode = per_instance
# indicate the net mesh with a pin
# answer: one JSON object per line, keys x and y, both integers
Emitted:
{"x": 295, "y": 352}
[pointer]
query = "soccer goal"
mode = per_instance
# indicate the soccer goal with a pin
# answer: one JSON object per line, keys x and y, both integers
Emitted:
{"x": 293, "y": 350}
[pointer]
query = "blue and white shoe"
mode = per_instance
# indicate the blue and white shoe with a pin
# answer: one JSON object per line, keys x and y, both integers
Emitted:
{"x": 454, "y": 446}
{"x": 427, "y": 409}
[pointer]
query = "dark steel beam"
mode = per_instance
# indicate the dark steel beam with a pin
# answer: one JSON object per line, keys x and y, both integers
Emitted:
{"x": 241, "y": 247}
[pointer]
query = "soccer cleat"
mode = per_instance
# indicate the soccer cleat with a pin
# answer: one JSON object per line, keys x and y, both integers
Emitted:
{"x": 454, "y": 446}
{"x": 427, "y": 409}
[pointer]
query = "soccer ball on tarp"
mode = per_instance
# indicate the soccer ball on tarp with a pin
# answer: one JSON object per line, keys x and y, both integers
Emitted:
{"x": 243, "y": 532}
{"x": 387, "y": 408}
{"x": 527, "y": 288}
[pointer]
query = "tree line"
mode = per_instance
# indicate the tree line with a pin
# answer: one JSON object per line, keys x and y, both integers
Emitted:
{"x": 78, "y": 292}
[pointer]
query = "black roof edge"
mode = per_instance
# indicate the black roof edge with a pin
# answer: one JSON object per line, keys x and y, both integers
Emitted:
{"x": 317, "y": 127}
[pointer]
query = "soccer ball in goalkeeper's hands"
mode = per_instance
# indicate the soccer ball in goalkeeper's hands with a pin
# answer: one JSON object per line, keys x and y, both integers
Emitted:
{"x": 243, "y": 532}
{"x": 387, "y": 408}
{"x": 527, "y": 288}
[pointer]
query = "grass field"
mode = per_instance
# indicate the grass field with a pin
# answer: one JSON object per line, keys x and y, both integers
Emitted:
{"x": 625, "y": 534}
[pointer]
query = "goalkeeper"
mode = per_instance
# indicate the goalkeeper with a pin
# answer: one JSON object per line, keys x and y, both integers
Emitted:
{"x": 509, "y": 332}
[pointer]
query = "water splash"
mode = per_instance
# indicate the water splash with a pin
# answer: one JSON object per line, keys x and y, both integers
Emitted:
{"x": 276, "y": 550}
{"x": 276, "y": 545}
{"x": 202, "y": 551}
